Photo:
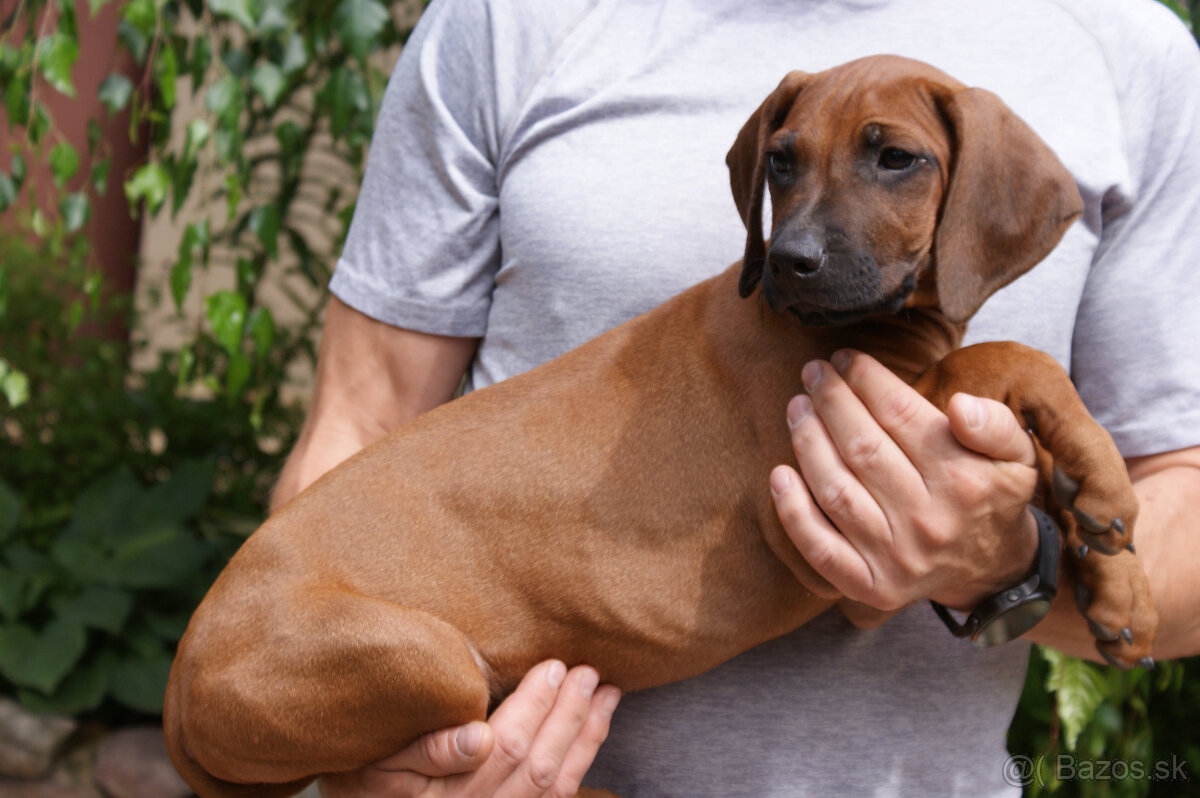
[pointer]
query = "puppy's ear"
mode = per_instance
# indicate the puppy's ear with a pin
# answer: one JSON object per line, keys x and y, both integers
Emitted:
{"x": 1009, "y": 202}
{"x": 747, "y": 173}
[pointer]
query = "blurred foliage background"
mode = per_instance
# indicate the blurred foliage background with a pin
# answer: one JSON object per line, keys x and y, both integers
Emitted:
{"x": 127, "y": 477}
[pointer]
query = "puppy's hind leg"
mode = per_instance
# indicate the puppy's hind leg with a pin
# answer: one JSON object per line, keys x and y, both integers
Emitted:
{"x": 266, "y": 695}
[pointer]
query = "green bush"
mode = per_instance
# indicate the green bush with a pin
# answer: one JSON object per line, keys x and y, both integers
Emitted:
{"x": 120, "y": 497}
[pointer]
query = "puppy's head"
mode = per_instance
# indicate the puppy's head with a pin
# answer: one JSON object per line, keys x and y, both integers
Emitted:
{"x": 892, "y": 185}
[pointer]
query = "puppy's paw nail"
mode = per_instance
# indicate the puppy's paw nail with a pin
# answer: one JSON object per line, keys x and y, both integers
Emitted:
{"x": 1100, "y": 631}
{"x": 1082, "y": 552}
{"x": 1127, "y": 635}
{"x": 1147, "y": 663}
{"x": 1063, "y": 488}
{"x": 1083, "y": 597}
{"x": 1111, "y": 660}
{"x": 1095, "y": 541}
{"x": 1129, "y": 548}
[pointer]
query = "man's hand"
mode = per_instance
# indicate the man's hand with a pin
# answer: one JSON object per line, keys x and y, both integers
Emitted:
{"x": 539, "y": 742}
{"x": 898, "y": 501}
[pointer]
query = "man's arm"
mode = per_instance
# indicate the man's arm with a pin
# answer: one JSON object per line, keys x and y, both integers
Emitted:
{"x": 371, "y": 378}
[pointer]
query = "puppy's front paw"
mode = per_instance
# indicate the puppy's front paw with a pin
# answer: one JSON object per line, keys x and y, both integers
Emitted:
{"x": 1102, "y": 514}
{"x": 1113, "y": 594}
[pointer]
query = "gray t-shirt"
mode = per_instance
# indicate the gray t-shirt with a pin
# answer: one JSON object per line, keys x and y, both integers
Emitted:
{"x": 546, "y": 169}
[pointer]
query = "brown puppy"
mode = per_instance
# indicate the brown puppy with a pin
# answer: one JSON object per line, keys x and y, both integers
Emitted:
{"x": 611, "y": 507}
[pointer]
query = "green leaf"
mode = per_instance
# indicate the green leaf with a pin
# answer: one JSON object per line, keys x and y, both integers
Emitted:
{"x": 8, "y": 191}
{"x": 262, "y": 331}
{"x": 18, "y": 168}
{"x": 142, "y": 16}
{"x": 137, "y": 42}
{"x": 238, "y": 373}
{"x": 58, "y": 53}
{"x": 115, "y": 91}
{"x": 38, "y": 572}
{"x": 10, "y": 511}
{"x": 233, "y": 195}
{"x": 94, "y": 6}
{"x": 359, "y": 23}
{"x": 179, "y": 497}
{"x": 224, "y": 98}
{"x": 75, "y": 209}
{"x": 198, "y": 62}
{"x": 95, "y": 606}
{"x": 160, "y": 557}
{"x": 276, "y": 17}
{"x": 81, "y": 691}
{"x": 343, "y": 96}
{"x": 141, "y": 683}
{"x": 167, "y": 625}
{"x": 1079, "y": 688}
{"x": 12, "y": 593}
{"x": 295, "y": 54}
{"x": 149, "y": 183}
{"x": 181, "y": 281}
{"x": 187, "y": 363}
{"x": 67, "y": 24}
{"x": 248, "y": 271}
{"x": 198, "y": 131}
{"x": 227, "y": 315}
{"x": 237, "y": 10}
{"x": 13, "y": 384}
{"x": 166, "y": 75}
{"x": 264, "y": 222}
{"x": 268, "y": 80}
{"x": 99, "y": 176}
{"x": 40, "y": 659}
{"x": 64, "y": 163}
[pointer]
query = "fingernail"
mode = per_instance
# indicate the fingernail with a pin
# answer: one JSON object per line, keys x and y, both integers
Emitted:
{"x": 609, "y": 703}
{"x": 811, "y": 374}
{"x": 588, "y": 682}
{"x": 973, "y": 412}
{"x": 781, "y": 480}
{"x": 798, "y": 409}
{"x": 840, "y": 360}
{"x": 555, "y": 674}
{"x": 468, "y": 739}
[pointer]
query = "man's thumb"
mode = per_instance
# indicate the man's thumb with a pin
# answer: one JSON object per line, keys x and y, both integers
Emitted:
{"x": 459, "y": 749}
{"x": 989, "y": 428}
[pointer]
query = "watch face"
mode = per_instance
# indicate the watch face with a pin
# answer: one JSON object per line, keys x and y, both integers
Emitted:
{"x": 1012, "y": 622}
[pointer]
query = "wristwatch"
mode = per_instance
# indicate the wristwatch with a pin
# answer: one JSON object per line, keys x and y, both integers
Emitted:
{"x": 1011, "y": 613}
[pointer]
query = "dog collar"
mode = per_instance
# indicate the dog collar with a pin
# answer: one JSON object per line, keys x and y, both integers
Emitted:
{"x": 1014, "y": 611}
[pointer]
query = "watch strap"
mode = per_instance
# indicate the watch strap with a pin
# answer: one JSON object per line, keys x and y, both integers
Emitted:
{"x": 1012, "y": 612}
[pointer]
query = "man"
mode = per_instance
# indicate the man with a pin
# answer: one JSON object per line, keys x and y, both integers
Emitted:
{"x": 545, "y": 170}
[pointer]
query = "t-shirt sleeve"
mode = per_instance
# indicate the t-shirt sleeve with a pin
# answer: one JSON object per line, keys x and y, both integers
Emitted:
{"x": 1135, "y": 359}
{"x": 423, "y": 246}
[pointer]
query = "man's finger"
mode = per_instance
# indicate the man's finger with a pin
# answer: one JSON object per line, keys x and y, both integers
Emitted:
{"x": 862, "y": 404}
{"x": 539, "y": 770}
{"x": 989, "y": 428}
{"x": 515, "y": 723}
{"x": 821, "y": 545}
{"x": 594, "y": 732}
{"x": 445, "y": 752}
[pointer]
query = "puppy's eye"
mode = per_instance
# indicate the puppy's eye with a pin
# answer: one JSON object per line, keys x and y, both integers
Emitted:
{"x": 779, "y": 163}
{"x": 895, "y": 159}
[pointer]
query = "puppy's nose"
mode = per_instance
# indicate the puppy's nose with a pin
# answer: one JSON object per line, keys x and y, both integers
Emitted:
{"x": 801, "y": 254}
